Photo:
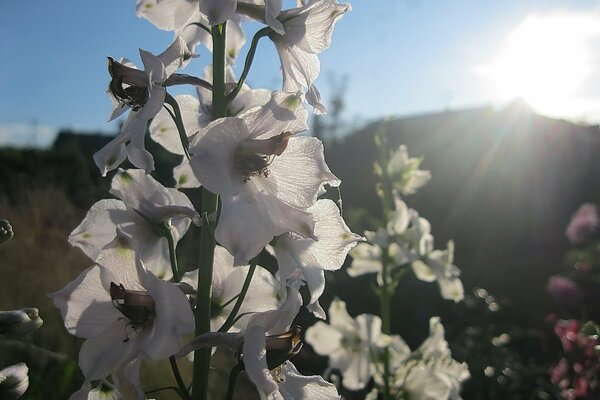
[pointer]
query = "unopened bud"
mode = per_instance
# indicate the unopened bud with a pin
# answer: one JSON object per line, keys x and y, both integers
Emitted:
{"x": 19, "y": 322}
{"x": 6, "y": 231}
{"x": 281, "y": 348}
{"x": 13, "y": 381}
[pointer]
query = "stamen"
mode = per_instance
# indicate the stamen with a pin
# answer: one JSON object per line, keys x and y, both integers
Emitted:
{"x": 254, "y": 156}
{"x": 128, "y": 85}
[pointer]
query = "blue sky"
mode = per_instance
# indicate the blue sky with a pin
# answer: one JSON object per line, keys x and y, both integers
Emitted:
{"x": 400, "y": 58}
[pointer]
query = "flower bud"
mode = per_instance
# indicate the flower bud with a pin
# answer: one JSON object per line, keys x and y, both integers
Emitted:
{"x": 13, "y": 381}
{"x": 6, "y": 232}
{"x": 19, "y": 322}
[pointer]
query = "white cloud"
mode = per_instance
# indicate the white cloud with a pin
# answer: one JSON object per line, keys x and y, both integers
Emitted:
{"x": 18, "y": 134}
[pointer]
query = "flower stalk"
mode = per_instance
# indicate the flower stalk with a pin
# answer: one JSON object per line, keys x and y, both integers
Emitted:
{"x": 202, "y": 312}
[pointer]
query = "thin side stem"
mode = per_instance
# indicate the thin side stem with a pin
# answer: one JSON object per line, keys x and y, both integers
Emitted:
{"x": 240, "y": 300}
{"x": 235, "y": 371}
{"x": 204, "y": 27}
{"x": 202, "y": 313}
{"x": 185, "y": 79}
{"x": 178, "y": 119}
{"x": 173, "y": 257}
{"x": 248, "y": 63}
{"x": 182, "y": 389}
{"x": 174, "y": 388}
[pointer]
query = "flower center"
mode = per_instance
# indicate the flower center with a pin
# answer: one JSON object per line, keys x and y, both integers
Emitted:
{"x": 254, "y": 156}
{"x": 128, "y": 85}
{"x": 281, "y": 348}
{"x": 136, "y": 305}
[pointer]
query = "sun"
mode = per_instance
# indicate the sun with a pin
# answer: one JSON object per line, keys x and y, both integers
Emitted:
{"x": 546, "y": 61}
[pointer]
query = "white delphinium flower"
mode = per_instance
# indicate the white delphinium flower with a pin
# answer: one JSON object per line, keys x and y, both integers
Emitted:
{"x": 20, "y": 322}
{"x": 304, "y": 259}
{"x": 125, "y": 313}
{"x": 227, "y": 283}
{"x": 352, "y": 344}
{"x": 266, "y": 177}
{"x": 180, "y": 16}
{"x": 308, "y": 31}
{"x": 438, "y": 265}
{"x": 407, "y": 237}
{"x": 404, "y": 172}
{"x": 14, "y": 381}
{"x": 265, "y": 346}
{"x": 148, "y": 211}
{"x": 429, "y": 373}
{"x": 196, "y": 114}
{"x": 143, "y": 92}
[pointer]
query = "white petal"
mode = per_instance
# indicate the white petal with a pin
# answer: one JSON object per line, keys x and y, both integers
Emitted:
{"x": 422, "y": 271}
{"x": 153, "y": 66}
{"x": 297, "y": 386}
{"x": 173, "y": 57}
{"x": 324, "y": 338}
{"x": 451, "y": 288}
{"x": 435, "y": 346}
{"x": 184, "y": 176}
{"x": 86, "y": 305}
{"x": 168, "y": 15}
{"x": 250, "y": 220}
{"x": 101, "y": 355}
{"x": 335, "y": 238}
{"x": 283, "y": 113}
{"x": 255, "y": 362}
{"x": 272, "y": 10}
{"x": 174, "y": 318}
{"x": 358, "y": 373}
{"x": 213, "y": 156}
{"x": 99, "y": 227}
{"x": 366, "y": 259}
{"x": 339, "y": 317}
{"x": 301, "y": 173}
{"x": 111, "y": 156}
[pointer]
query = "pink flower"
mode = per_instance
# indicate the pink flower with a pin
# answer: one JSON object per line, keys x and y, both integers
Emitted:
{"x": 583, "y": 223}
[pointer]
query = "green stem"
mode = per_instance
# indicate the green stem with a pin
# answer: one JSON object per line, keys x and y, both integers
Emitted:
{"x": 238, "y": 304}
{"x": 385, "y": 191}
{"x": 204, "y": 27}
{"x": 182, "y": 389}
{"x": 173, "y": 257}
{"x": 202, "y": 313}
{"x": 385, "y": 308}
{"x": 248, "y": 63}
{"x": 178, "y": 119}
{"x": 235, "y": 371}
{"x": 174, "y": 388}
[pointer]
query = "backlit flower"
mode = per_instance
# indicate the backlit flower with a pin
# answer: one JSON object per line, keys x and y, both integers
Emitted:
{"x": 267, "y": 178}
{"x": 125, "y": 314}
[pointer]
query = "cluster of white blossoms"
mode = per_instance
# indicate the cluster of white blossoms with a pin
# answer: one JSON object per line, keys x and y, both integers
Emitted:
{"x": 363, "y": 349}
{"x": 240, "y": 146}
